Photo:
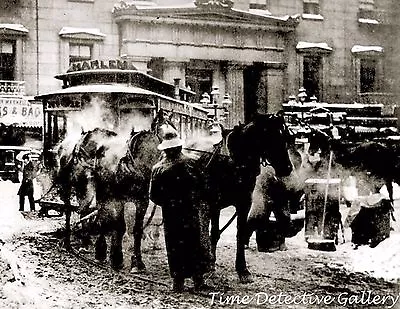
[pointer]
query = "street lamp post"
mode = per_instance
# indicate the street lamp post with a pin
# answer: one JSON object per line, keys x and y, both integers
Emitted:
{"x": 205, "y": 99}
{"x": 302, "y": 99}
{"x": 226, "y": 101}
{"x": 212, "y": 101}
{"x": 215, "y": 98}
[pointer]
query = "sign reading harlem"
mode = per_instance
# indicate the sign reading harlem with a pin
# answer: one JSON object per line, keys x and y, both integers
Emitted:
{"x": 21, "y": 112}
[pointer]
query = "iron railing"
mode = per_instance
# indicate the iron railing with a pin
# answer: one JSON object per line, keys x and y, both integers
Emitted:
{"x": 12, "y": 88}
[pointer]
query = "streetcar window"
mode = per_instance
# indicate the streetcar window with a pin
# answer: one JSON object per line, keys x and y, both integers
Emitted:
{"x": 9, "y": 157}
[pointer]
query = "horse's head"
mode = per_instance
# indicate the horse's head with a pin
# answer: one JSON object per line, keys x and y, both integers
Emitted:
{"x": 142, "y": 148}
{"x": 134, "y": 168}
{"x": 83, "y": 164}
{"x": 319, "y": 141}
{"x": 274, "y": 137}
{"x": 264, "y": 138}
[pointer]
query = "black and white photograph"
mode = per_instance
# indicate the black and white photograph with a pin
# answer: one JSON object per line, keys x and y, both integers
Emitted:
{"x": 194, "y": 154}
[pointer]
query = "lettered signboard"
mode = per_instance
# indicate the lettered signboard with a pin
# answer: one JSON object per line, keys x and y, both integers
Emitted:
{"x": 21, "y": 112}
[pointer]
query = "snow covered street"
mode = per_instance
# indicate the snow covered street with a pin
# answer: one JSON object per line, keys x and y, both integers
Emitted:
{"x": 55, "y": 279}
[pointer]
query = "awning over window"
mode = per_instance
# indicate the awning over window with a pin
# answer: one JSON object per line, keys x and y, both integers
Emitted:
{"x": 359, "y": 49}
{"x": 309, "y": 46}
{"x": 16, "y": 29}
{"x": 82, "y": 33}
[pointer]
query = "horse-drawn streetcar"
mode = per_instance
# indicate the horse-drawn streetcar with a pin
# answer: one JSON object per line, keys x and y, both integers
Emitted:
{"x": 113, "y": 95}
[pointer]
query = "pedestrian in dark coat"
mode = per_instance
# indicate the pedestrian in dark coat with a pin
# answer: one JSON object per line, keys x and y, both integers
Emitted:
{"x": 26, "y": 188}
{"x": 175, "y": 187}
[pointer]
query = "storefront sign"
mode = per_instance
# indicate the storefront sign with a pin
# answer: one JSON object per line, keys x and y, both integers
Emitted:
{"x": 21, "y": 112}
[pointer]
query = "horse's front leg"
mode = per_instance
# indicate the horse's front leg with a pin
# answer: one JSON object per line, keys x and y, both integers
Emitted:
{"x": 116, "y": 254}
{"x": 67, "y": 240}
{"x": 215, "y": 235}
{"x": 137, "y": 264}
{"x": 101, "y": 247}
{"x": 65, "y": 197}
{"x": 241, "y": 239}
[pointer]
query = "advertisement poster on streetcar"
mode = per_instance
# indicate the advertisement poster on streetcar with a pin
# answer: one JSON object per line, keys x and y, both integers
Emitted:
{"x": 21, "y": 112}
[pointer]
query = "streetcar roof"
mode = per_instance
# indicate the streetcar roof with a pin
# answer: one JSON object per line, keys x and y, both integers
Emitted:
{"x": 109, "y": 88}
{"x": 137, "y": 73}
{"x": 97, "y": 88}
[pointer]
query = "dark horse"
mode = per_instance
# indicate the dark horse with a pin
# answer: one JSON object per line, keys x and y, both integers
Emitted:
{"x": 74, "y": 174}
{"x": 230, "y": 180}
{"x": 96, "y": 171}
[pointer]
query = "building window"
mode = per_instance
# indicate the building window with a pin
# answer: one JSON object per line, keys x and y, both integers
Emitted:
{"x": 7, "y": 60}
{"x": 199, "y": 81}
{"x": 311, "y": 7}
{"x": 79, "y": 44}
{"x": 79, "y": 52}
{"x": 368, "y": 72}
{"x": 259, "y": 4}
{"x": 312, "y": 75}
{"x": 367, "y": 5}
{"x": 368, "y": 62}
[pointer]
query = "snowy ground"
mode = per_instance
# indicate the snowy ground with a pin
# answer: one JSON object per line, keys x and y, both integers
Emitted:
{"x": 380, "y": 262}
{"x": 52, "y": 284}
{"x": 12, "y": 221}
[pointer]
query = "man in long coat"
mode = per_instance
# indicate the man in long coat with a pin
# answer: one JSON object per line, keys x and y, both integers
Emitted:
{"x": 26, "y": 188}
{"x": 175, "y": 187}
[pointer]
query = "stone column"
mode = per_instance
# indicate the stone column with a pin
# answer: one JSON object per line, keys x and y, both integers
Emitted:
{"x": 19, "y": 56}
{"x": 173, "y": 69}
{"x": 235, "y": 87}
{"x": 293, "y": 77}
{"x": 262, "y": 93}
{"x": 276, "y": 88}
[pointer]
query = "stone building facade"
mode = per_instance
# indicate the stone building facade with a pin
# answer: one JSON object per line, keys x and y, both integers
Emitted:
{"x": 258, "y": 51}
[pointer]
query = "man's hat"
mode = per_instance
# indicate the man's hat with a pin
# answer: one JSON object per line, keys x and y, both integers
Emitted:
{"x": 170, "y": 140}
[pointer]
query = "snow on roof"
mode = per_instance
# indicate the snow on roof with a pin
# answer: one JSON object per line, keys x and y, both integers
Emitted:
{"x": 282, "y": 18}
{"x": 148, "y": 5}
{"x": 15, "y": 27}
{"x": 312, "y": 16}
{"x": 365, "y": 48}
{"x": 368, "y": 21}
{"x": 142, "y": 3}
{"x": 260, "y": 12}
{"x": 74, "y": 30}
{"x": 306, "y": 45}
